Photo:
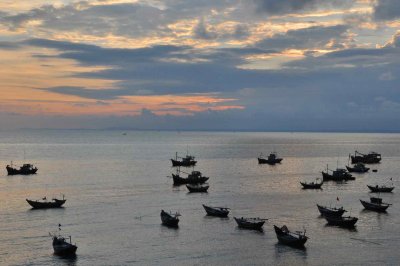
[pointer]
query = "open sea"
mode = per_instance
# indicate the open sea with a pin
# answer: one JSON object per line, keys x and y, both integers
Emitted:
{"x": 116, "y": 185}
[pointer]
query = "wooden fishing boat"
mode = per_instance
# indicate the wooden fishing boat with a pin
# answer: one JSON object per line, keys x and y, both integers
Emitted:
{"x": 44, "y": 204}
{"x": 168, "y": 219}
{"x": 357, "y": 168}
{"x": 342, "y": 221}
{"x": 195, "y": 177}
{"x": 25, "y": 169}
{"x": 197, "y": 187}
{"x": 294, "y": 239}
{"x": 272, "y": 159}
{"x": 339, "y": 174}
{"x": 61, "y": 246}
{"x": 381, "y": 188}
{"x": 375, "y": 204}
{"x": 250, "y": 223}
{"x": 312, "y": 185}
{"x": 216, "y": 211}
{"x": 186, "y": 161}
{"x": 370, "y": 158}
{"x": 329, "y": 211}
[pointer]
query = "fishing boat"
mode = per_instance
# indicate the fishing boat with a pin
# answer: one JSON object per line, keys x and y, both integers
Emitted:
{"x": 45, "y": 204}
{"x": 375, "y": 204}
{"x": 271, "y": 159}
{"x": 370, "y": 158}
{"x": 61, "y": 246}
{"x": 294, "y": 239}
{"x": 381, "y": 188}
{"x": 312, "y": 185}
{"x": 342, "y": 221}
{"x": 357, "y": 168}
{"x": 169, "y": 219}
{"x": 339, "y": 174}
{"x": 25, "y": 169}
{"x": 216, "y": 211}
{"x": 329, "y": 211}
{"x": 250, "y": 223}
{"x": 197, "y": 187}
{"x": 186, "y": 161}
{"x": 195, "y": 177}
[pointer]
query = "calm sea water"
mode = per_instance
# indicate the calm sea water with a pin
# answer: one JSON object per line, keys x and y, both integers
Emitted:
{"x": 117, "y": 184}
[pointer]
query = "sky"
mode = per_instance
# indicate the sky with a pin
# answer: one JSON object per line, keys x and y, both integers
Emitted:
{"x": 253, "y": 65}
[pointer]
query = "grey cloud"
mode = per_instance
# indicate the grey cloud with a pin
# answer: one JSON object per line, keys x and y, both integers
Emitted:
{"x": 274, "y": 7}
{"x": 387, "y": 10}
{"x": 312, "y": 37}
{"x": 201, "y": 32}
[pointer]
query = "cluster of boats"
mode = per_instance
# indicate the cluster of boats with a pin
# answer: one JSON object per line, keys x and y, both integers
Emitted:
{"x": 61, "y": 246}
{"x": 196, "y": 182}
{"x": 340, "y": 174}
{"x": 283, "y": 234}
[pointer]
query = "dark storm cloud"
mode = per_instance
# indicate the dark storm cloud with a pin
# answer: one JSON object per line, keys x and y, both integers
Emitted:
{"x": 99, "y": 94}
{"x": 274, "y": 7}
{"x": 313, "y": 37}
{"x": 387, "y": 10}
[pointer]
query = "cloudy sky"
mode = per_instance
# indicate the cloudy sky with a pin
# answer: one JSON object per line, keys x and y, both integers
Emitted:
{"x": 287, "y": 65}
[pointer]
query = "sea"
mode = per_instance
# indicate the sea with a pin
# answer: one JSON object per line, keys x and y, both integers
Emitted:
{"x": 117, "y": 182}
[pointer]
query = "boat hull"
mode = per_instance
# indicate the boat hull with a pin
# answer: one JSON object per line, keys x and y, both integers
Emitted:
{"x": 329, "y": 177}
{"x": 357, "y": 170}
{"x": 311, "y": 186}
{"x": 269, "y": 161}
{"x": 216, "y": 211}
{"x": 289, "y": 240}
{"x": 380, "y": 189}
{"x": 249, "y": 225}
{"x": 183, "y": 181}
{"x": 330, "y": 211}
{"x": 366, "y": 160}
{"x": 374, "y": 207}
{"x": 347, "y": 222}
{"x": 183, "y": 163}
{"x": 65, "y": 250}
{"x": 168, "y": 220}
{"x": 199, "y": 189}
{"x": 46, "y": 205}
{"x": 13, "y": 171}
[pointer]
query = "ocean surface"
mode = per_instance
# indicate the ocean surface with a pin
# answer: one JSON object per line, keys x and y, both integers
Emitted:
{"x": 116, "y": 185}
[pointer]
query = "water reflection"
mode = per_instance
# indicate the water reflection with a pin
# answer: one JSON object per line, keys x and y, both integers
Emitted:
{"x": 286, "y": 255}
{"x": 70, "y": 260}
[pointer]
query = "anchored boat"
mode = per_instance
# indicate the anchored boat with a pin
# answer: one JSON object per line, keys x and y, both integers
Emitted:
{"x": 250, "y": 223}
{"x": 44, "y": 204}
{"x": 272, "y": 159}
{"x": 375, "y": 204}
{"x": 25, "y": 169}
{"x": 312, "y": 185}
{"x": 294, "y": 239}
{"x": 186, "y": 161}
{"x": 381, "y": 188}
{"x": 216, "y": 211}
{"x": 61, "y": 246}
{"x": 370, "y": 158}
{"x": 357, "y": 168}
{"x": 329, "y": 211}
{"x": 169, "y": 219}
{"x": 197, "y": 187}
{"x": 195, "y": 177}
{"x": 342, "y": 221}
{"x": 339, "y": 174}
